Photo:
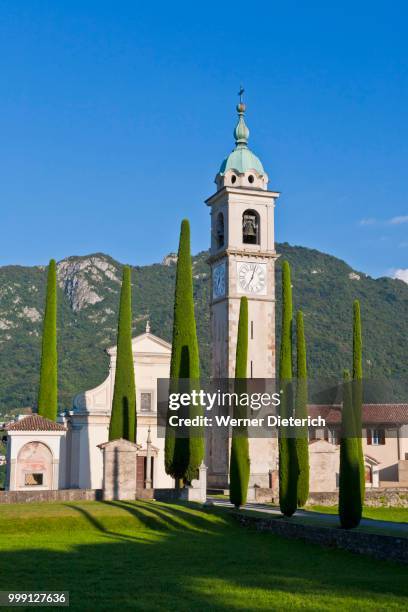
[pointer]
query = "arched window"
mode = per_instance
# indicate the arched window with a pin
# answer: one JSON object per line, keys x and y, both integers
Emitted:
{"x": 219, "y": 230}
{"x": 34, "y": 466}
{"x": 250, "y": 227}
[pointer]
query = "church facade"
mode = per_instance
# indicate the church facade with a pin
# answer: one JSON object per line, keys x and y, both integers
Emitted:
{"x": 88, "y": 423}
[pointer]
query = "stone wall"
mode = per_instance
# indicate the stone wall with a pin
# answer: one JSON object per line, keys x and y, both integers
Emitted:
{"x": 262, "y": 495}
{"x": 167, "y": 495}
{"x": 388, "y": 498}
{"x": 119, "y": 469}
{"x": 63, "y": 495}
{"x": 378, "y": 546}
{"x": 191, "y": 494}
{"x": 144, "y": 493}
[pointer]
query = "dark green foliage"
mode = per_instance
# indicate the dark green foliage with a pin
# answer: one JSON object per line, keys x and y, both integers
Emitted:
{"x": 183, "y": 456}
{"x": 324, "y": 291}
{"x": 241, "y": 359}
{"x": 285, "y": 359}
{"x": 48, "y": 390}
{"x": 350, "y": 505}
{"x": 358, "y": 388}
{"x": 302, "y": 443}
{"x": 288, "y": 465}
{"x": 357, "y": 343}
{"x": 239, "y": 462}
{"x": 123, "y": 417}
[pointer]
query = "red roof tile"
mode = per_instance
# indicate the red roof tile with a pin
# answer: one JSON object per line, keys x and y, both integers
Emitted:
{"x": 392, "y": 414}
{"x": 35, "y": 422}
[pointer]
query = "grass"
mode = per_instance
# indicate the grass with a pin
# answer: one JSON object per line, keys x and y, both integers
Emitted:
{"x": 332, "y": 521}
{"x": 151, "y": 556}
{"x": 397, "y": 515}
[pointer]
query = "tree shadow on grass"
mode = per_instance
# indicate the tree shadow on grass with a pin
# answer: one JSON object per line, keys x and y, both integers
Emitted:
{"x": 173, "y": 516}
{"x": 97, "y": 524}
{"x": 223, "y": 567}
{"x": 149, "y": 515}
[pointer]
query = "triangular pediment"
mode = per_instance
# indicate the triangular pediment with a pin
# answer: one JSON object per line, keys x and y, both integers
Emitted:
{"x": 322, "y": 446}
{"x": 120, "y": 444}
{"x": 146, "y": 344}
{"x": 371, "y": 460}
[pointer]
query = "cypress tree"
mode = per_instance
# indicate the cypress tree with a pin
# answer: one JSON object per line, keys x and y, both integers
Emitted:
{"x": 358, "y": 389}
{"x": 183, "y": 455}
{"x": 48, "y": 390}
{"x": 123, "y": 416}
{"x": 239, "y": 461}
{"x": 302, "y": 443}
{"x": 288, "y": 467}
{"x": 350, "y": 506}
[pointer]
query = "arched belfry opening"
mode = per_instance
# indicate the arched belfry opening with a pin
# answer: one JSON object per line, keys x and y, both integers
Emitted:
{"x": 219, "y": 230}
{"x": 250, "y": 227}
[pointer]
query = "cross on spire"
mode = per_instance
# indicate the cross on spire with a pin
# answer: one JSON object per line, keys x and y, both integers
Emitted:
{"x": 241, "y": 93}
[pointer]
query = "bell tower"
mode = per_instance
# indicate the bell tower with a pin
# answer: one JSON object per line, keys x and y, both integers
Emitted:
{"x": 242, "y": 260}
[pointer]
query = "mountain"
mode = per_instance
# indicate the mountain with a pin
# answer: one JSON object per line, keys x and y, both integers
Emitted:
{"x": 323, "y": 286}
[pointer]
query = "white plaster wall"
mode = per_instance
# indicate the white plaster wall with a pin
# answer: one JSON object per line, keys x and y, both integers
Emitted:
{"x": 95, "y": 431}
{"x": 386, "y": 454}
{"x": 324, "y": 461}
{"x": 403, "y": 441}
{"x": 263, "y": 457}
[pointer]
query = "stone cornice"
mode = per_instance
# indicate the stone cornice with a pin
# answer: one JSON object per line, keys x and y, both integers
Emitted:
{"x": 242, "y": 253}
{"x": 243, "y": 191}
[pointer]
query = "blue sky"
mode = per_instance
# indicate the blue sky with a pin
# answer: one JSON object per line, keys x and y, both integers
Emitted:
{"x": 116, "y": 116}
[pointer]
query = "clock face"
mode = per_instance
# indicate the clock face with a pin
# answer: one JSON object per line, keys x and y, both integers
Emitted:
{"x": 251, "y": 277}
{"x": 219, "y": 281}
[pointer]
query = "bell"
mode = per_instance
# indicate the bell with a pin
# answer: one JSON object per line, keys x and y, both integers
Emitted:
{"x": 250, "y": 228}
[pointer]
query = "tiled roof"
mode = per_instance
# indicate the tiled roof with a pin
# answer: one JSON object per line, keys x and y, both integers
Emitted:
{"x": 373, "y": 414}
{"x": 35, "y": 422}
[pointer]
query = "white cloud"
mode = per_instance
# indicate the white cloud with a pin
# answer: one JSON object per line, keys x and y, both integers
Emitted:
{"x": 398, "y": 220}
{"x": 401, "y": 274}
{"x": 368, "y": 221}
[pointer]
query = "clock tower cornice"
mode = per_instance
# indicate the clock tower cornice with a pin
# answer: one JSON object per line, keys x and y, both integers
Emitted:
{"x": 245, "y": 192}
{"x": 243, "y": 253}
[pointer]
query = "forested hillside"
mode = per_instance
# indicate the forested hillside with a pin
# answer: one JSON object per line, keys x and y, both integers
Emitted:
{"x": 323, "y": 286}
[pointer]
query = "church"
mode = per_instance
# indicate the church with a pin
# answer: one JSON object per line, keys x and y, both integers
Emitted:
{"x": 68, "y": 454}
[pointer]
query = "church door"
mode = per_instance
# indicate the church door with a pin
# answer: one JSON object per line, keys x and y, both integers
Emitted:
{"x": 141, "y": 471}
{"x": 368, "y": 474}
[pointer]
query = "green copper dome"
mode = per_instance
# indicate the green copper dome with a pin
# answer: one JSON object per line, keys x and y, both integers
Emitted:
{"x": 241, "y": 158}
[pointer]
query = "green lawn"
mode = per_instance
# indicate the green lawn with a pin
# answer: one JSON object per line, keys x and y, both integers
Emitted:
{"x": 398, "y": 515}
{"x": 332, "y": 521}
{"x": 152, "y": 556}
